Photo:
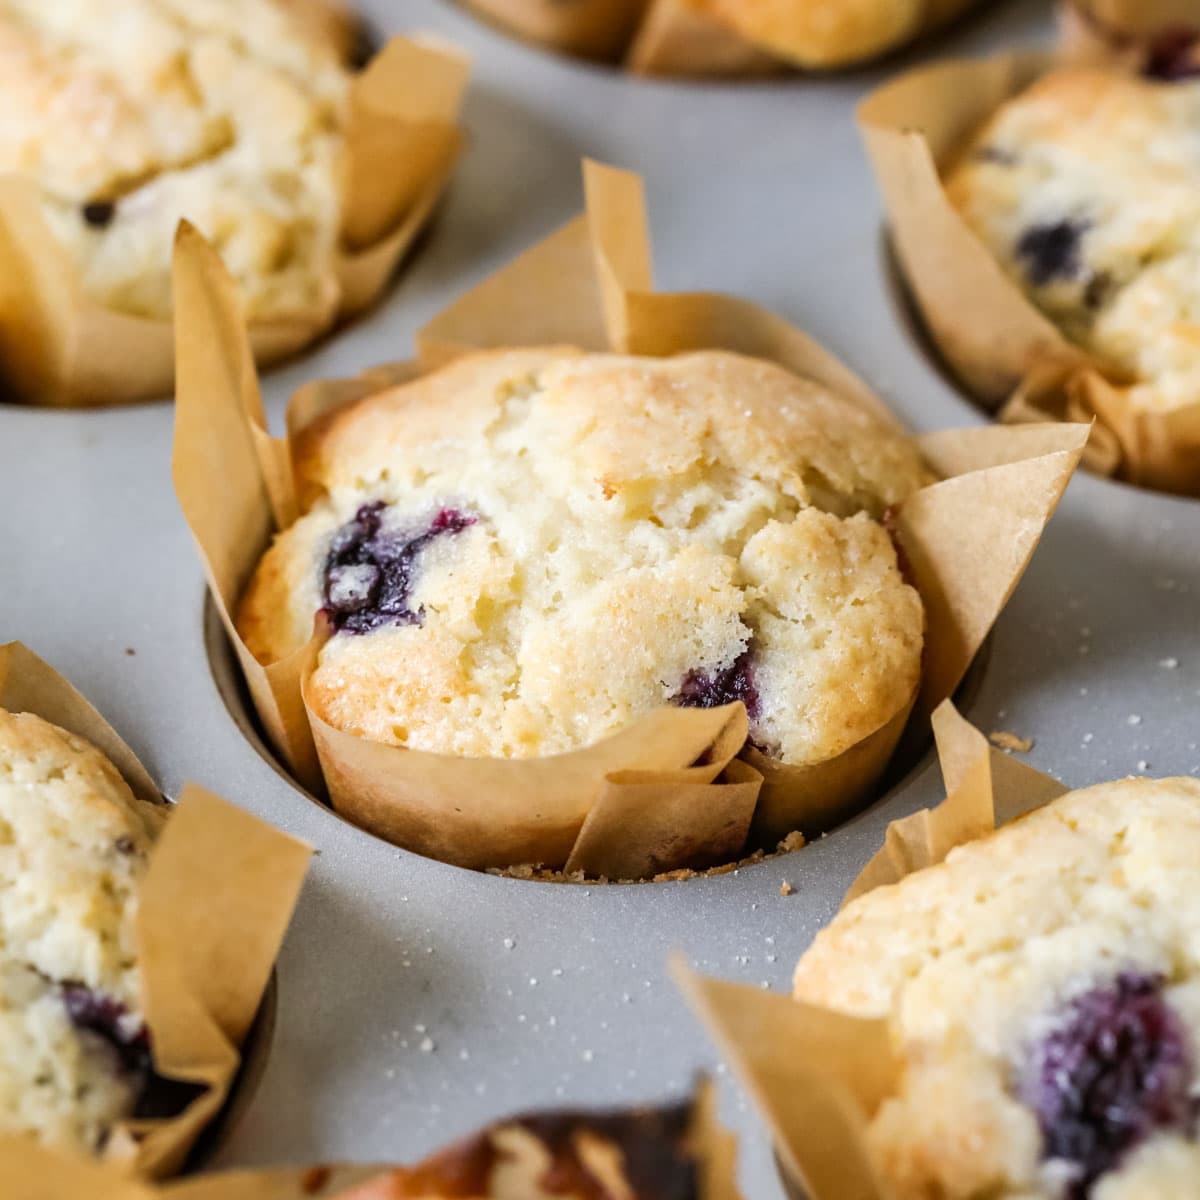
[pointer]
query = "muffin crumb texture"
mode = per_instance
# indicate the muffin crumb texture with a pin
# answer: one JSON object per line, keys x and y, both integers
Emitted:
{"x": 127, "y": 117}
{"x": 74, "y": 842}
{"x": 527, "y": 550}
{"x": 1043, "y": 986}
{"x": 1086, "y": 188}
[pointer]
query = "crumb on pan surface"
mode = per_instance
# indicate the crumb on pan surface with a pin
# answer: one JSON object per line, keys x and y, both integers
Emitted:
{"x": 130, "y": 116}
{"x": 1043, "y": 985}
{"x": 74, "y": 843}
{"x": 1086, "y": 188}
{"x": 525, "y": 551}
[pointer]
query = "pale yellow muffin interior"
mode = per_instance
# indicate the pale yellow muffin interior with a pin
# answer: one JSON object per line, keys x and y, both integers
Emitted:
{"x": 74, "y": 843}
{"x": 639, "y": 529}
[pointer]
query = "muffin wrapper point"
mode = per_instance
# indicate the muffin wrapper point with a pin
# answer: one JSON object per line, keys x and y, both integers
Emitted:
{"x": 643, "y": 1142}
{"x": 671, "y": 790}
{"x": 59, "y": 347}
{"x": 817, "y": 1075}
{"x": 1010, "y": 356}
{"x": 716, "y": 37}
{"x": 213, "y": 907}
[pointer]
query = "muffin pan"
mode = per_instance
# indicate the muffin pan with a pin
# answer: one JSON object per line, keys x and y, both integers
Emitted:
{"x": 418, "y": 1001}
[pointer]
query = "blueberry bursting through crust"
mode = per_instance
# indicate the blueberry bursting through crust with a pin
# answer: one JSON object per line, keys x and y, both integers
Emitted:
{"x": 711, "y": 689}
{"x": 369, "y": 571}
{"x": 1114, "y": 1071}
{"x": 108, "y": 1019}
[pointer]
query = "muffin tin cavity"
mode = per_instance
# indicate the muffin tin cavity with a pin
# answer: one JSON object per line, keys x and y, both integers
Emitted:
{"x": 911, "y": 759}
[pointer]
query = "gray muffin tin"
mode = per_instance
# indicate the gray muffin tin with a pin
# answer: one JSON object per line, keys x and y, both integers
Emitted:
{"x": 417, "y": 1000}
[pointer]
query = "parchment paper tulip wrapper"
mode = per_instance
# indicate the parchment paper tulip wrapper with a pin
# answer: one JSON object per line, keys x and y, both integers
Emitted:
{"x": 670, "y": 790}
{"x": 816, "y": 1075}
{"x": 1002, "y": 348}
{"x": 59, "y": 347}
{"x": 213, "y": 907}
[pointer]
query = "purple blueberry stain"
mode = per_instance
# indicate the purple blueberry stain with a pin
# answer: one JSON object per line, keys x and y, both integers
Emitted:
{"x": 369, "y": 571}
{"x": 109, "y": 1020}
{"x": 1115, "y": 1070}
{"x": 711, "y": 689}
{"x": 1052, "y": 251}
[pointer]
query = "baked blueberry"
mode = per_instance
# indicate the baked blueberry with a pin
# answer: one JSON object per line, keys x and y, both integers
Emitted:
{"x": 711, "y": 689}
{"x": 1115, "y": 1070}
{"x": 110, "y": 1020}
{"x": 1052, "y": 251}
{"x": 369, "y": 570}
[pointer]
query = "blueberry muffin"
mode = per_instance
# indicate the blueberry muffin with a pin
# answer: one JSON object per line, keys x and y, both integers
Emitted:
{"x": 525, "y": 551}
{"x": 229, "y": 112}
{"x": 1043, "y": 986}
{"x": 74, "y": 842}
{"x": 649, "y": 1154}
{"x": 831, "y": 33}
{"x": 1086, "y": 188}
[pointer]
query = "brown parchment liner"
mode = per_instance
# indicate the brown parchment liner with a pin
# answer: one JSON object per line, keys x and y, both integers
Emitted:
{"x": 1003, "y": 349}
{"x": 461, "y": 1170}
{"x": 213, "y": 906}
{"x": 706, "y": 37}
{"x": 663, "y": 793}
{"x": 817, "y": 1075}
{"x": 59, "y": 347}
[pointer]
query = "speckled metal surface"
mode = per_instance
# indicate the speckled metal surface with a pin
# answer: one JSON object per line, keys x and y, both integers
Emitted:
{"x": 417, "y": 1000}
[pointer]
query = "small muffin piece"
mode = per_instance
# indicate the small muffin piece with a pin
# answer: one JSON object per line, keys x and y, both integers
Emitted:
{"x": 641, "y": 1154}
{"x": 1086, "y": 187}
{"x": 227, "y": 112}
{"x": 527, "y": 550}
{"x": 832, "y": 33}
{"x": 1043, "y": 987}
{"x": 74, "y": 843}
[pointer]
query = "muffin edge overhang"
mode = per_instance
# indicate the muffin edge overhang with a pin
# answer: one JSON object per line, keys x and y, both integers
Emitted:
{"x": 594, "y": 277}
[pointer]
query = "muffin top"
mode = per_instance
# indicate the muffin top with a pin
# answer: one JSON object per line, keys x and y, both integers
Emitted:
{"x": 1043, "y": 986}
{"x": 526, "y": 550}
{"x": 74, "y": 843}
{"x": 128, "y": 118}
{"x": 1086, "y": 188}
